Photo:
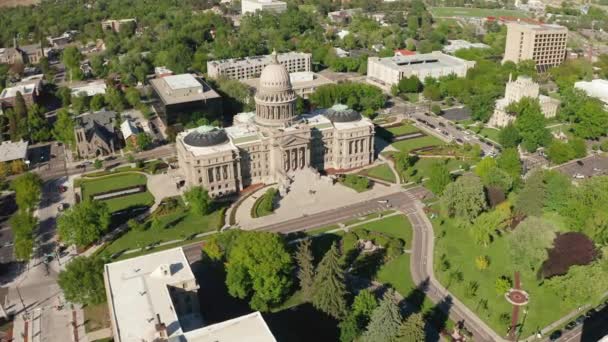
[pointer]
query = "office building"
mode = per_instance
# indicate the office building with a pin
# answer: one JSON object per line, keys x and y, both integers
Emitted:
{"x": 388, "y": 71}
{"x": 595, "y": 88}
{"x": 183, "y": 94}
{"x": 251, "y": 67}
{"x": 543, "y": 43}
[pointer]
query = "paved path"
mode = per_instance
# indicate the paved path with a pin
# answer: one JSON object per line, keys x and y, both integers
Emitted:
{"x": 421, "y": 264}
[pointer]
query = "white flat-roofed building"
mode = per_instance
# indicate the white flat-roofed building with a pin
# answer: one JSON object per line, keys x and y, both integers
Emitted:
{"x": 595, "y": 88}
{"x": 251, "y": 67}
{"x": 10, "y": 151}
{"x": 251, "y": 6}
{"x": 154, "y": 298}
{"x": 388, "y": 71}
{"x": 184, "y": 93}
{"x": 90, "y": 89}
{"x": 304, "y": 82}
{"x": 29, "y": 89}
{"x": 459, "y": 44}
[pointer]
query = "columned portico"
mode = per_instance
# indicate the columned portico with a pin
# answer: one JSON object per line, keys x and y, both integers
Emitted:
{"x": 295, "y": 158}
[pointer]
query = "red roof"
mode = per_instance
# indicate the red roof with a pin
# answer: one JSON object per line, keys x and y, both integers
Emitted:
{"x": 404, "y": 52}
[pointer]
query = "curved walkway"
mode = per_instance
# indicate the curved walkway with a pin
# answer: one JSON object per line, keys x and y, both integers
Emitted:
{"x": 421, "y": 265}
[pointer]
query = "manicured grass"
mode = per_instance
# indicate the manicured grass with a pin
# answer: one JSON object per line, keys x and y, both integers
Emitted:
{"x": 490, "y": 133}
{"x": 136, "y": 200}
{"x": 403, "y": 129}
{"x": 412, "y": 144}
{"x": 96, "y": 317}
{"x": 356, "y": 182}
{"x": 382, "y": 172}
{"x": 397, "y": 226}
{"x": 107, "y": 183}
{"x": 458, "y": 246}
{"x": 475, "y": 12}
{"x": 396, "y": 273}
{"x": 174, "y": 226}
{"x": 423, "y": 166}
{"x": 260, "y": 208}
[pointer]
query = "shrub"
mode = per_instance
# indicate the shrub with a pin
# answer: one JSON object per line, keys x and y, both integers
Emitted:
{"x": 97, "y": 164}
{"x": 167, "y": 206}
{"x": 394, "y": 248}
{"x": 139, "y": 164}
{"x": 358, "y": 183}
{"x": 503, "y": 284}
{"x": 604, "y": 146}
{"x": 482, "y": 262}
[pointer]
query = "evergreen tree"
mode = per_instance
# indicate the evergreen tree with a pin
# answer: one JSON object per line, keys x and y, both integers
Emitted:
{"x": 385, "y": 321}
{"x": 37, "y": 124}
{"x": 306, "y": 270}
{"x": 18, "y": 119}
{"x": 329, "y": 289}
{"x": 412, "y": 329}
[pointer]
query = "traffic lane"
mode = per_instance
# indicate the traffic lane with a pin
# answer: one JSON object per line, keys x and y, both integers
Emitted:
{"x": 420, "y": 275}
{"x": 397, "y": 201}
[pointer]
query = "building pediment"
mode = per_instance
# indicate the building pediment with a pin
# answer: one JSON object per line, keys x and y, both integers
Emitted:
{"x": 293, "y": 140}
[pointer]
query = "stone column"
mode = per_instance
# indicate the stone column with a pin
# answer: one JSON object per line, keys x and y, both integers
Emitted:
{"x": 294, "y": 156}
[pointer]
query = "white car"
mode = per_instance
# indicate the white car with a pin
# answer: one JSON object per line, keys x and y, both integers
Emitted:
{"x": 467, "y": 138}
{"x": 578, "y": 176}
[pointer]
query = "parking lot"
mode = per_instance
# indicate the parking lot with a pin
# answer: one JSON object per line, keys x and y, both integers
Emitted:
{"x": 594, "y": 165}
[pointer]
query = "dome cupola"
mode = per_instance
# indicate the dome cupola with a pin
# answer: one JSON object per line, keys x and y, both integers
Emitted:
{"x": 205, "y": 136}
{"x": 341, "y": 113}
{"x": 275, "y": 100}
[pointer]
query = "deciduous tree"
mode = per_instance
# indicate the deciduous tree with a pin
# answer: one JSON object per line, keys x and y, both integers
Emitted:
{"x": 465, "y": 198}
{"x": 529, "y": 242}
{"x": 199, "y": 200}
{"x": 82, "y": 281}
{"x": 84, "y": 223}
{"x": 439, "y": 178}
{"x": 27, "y": 191}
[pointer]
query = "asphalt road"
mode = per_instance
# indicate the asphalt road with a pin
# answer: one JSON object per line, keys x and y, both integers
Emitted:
{"x": 437, "y": 125}
{"x": 421, "y": 265}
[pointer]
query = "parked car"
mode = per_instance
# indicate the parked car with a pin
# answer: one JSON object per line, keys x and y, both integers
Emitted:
{"x": 555, "y": 335}
{"x": 580, "y": 319}
{"x": 441, "y": 124}
{"x": 580, "y": 162}
{"x": 590, "y": 313}
{"x": 578, "y": 176}
{"x": 571, "y": 325}
{"x": 62, "y": 188}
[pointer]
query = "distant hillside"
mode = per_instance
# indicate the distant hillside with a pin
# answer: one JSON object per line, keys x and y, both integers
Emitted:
{"x": 13, "y": 3}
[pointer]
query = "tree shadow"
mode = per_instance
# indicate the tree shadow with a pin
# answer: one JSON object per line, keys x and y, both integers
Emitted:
{"x": 412, "y": 303}
{"x": 367, "y": 264}
{"x": 437, "y": 318}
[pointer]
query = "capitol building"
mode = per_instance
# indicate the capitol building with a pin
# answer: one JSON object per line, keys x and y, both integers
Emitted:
{"x": 273, "y": 143}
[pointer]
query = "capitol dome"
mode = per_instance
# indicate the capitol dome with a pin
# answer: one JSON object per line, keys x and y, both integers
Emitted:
{"x": 205, "y": 136}
{"x": 275, "y": 75}
{"x": 341, "y": 113}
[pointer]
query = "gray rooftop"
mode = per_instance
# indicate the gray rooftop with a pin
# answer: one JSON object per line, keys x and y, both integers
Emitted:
{"x": 431, "y": 60}
{"x": 10, "y": 151}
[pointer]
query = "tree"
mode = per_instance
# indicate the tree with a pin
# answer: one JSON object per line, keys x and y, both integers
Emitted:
{"x": 23, "y": 224}
{"x": 484, "y": 167}
{"x": 18, "y": 126}
{"x": 306, "y": 269}
{"x": 529, "y": 242}
{"x": 71, "y": 58}
{"x": 84, "y": 223}
{"x": 439, "y": 178}
{"x": 132, "y": 96}
{"x": 115, "y": 99}
{"x": 410, "y": 84}
{"x": 363, "y": 306}
{"x": 560, "y": 152}
{"x": 502, "y": 285}
{"x": 199, "y": 200}
{"x": 482, "y": 262}
{"x": 18, "y": 166}
{"x": 465, "y": 198}
{"x": 385, "y": 320}
{"x": 509, "y": 136}
{"x": 530, "y": 200}
{"x": 530, "y": 124}
{"x": 509, "y": 162}
{"x": 329, "y": 290}
{"x": 63, "y": 130}
{"x": 27, "y": 189}
{"x": 97, "y": 102}
{"x": 38, "y": 125}
{"x": 65, "y": 95}
{"x": 259, "y": 267}
{"x": 558, "y": 190}
{"x": 581, "y": 284}
{"x": 412, "y": 329}
{"x": 591, "y": 120}
{"x": 486, "y": 224}
{"x": 587, "y": 207}
{"x": 143, "y": 141}
{"x": 82, "y": 281}
{"x": 80, "y": 102}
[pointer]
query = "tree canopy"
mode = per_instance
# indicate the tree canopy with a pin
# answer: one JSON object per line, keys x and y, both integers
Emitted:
{"x": 199, "y": 200}
{"x": 84, "y": 223}
{"x": 464, "y": 198}
{"x": 82, "y": 281}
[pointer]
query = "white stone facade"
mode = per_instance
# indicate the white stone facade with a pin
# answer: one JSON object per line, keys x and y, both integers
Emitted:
{"x": 514, "y": 92}
{"x": 251, "y": 6}
{"x": 272, "y": 143}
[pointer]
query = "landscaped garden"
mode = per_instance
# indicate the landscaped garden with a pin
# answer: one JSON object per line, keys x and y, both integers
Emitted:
{"x": 264, "y": 205}
{"x": 355, "y": 182}
{"x": 381, "y": 172}
{"x": 96, "y": 185}
{"x": 490, "y": 133}
{"x": 483, "y": 239}
{"x": 177, "y": 223}
{"x": 412, "y": 144}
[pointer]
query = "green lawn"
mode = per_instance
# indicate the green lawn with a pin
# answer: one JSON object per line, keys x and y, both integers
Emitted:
{"x": 403, "y": 129}
{"x": 356, "y": 182}
{"x": 382, "y": 172}
{"x": 475, "y": 12}
{"x": 136, "y": 200}
{"x": 397, "y": 226}
{"x": 107, "y": 183}
{"x": 490, "y": 133}
{"x": 544, "y": 307}
{"x": 175, "y": 226}
{"x": 397, "y": 274}
{"x": 423, "y": 166}
{"x": 412, "y": 144}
